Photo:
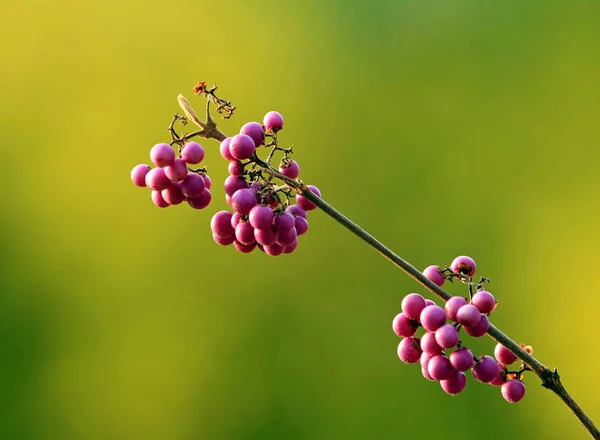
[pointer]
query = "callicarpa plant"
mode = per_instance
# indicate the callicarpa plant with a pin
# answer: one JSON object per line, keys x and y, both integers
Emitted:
{"x": 269, "y": 212}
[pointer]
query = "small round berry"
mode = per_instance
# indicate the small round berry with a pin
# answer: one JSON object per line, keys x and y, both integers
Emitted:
{"x": 425, "y": 358}
{"x": 462, "y": 359}
{"x": 223, "y": 241}
{"x": 266, "y": 237}
{"x": 232, "y": 184}
{"x": 452, "y": 305}
{"x": 500, "y": 379}
{"x": 429, "y": 302}
{"x": 284, "y": 222}
{"x": 290, "y": 249}
{"x": 440, "y": 368}
{"x": 301, "y": 225}
{"x": 224, "y": 149}
{"x": 404, "y": 327}
{"x": 432, "y": 273}
{"x": 480, "y": 329}
{"x": 255, "y": 131}
{"x": 409, "y": 350}
{"x": 504, "y": 355}
{"x": 468, "y": 315}
{"x": 158, "y": 200}
{"x": 156, "y": 179}
{"x": 193, "y": 185}
{"x": 177, "y": 171}
{"x": 244, "y": 233}
{"x": 241, "y": 146}
{"x": 412, "y": 305}
{"x": 220, "y": 224}
{"x": 138, "y": 174}
{"x": 200, "y": 202}
{"x": 432, "y": 318}
{"x": 173, "y": 194}
{"x": 297, "y": 211}
{"x": 235, "y": 219}
{"x": 484, "y": 301}
{"x": 274, "y": 249}
{"x": 486, "y": 369}
{"x": 244, "y": 248}
{"x": 287, "y": 238}
{"x": 306, "y": 204}
{"x": 513, "y": 390}
{"x": 192, "y": 153}
{"x": 430, "y": 345}
{"x": 273, "y": 121}
{"x": 464, "y": 264}
{"x": 235, "y": 168}
{"x": 162, "y": 155}
{"x": 261, "y": 217}
{"x": 455, "y": 383}
{"x": 243, "y": 200}
{"x": 291, "y": 170}
{"x": 207, "y": 181}
{"x": 447, "y": 336}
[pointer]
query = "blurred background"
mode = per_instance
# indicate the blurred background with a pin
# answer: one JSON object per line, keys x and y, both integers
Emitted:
{"x": 443, "y": 128}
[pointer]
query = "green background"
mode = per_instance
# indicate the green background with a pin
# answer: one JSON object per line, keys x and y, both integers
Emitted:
{"x": 442, "y": 127}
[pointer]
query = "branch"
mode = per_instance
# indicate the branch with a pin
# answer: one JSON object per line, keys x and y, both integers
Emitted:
{"x": 550, "y": 379}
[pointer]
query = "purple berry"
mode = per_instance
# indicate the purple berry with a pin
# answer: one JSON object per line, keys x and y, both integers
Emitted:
{"x": 287, "y": 238}
{"x": 138, "y": 174}
{"x": 266, "y": 237}
{"x": 504, "y": 355}
{"x": 177, "y": 171}
{"x": 446, "y": 336}
{"x": 291, "y": 170}
{"x": 232, "y": 184}
{"x": 306, "y": 204}
{"x": 244, "y": 233}
{"x": 173, "y": 195}
{"x": 430, "y": 345}
{"x": 162, "y": 155}
{"x": 432, "y": 273}
{"x": 255, "y": 131}
{"x": 440, "y": 368}
{"x": 243, "y": 200}
{"x": 244, "y": 248}
{"x": 468, "y": 315}
{"x": 452, "y": 306}
{"x": 200, "y": 202}
{"x": 284, "y": 222}
{"x": 412, "y": 305}
{"x": 409, "y": 350}
{"x": 404, "y": 327}
{"x": 274, "y": 249}
{"x": 425, "y": 358}
{"x": 480, "y": 329}
{"x": 207, "y": 181}
{"x": 500, "y": 379}
{"x": 273, "y": 121}
{"x": 290, "y": 249}
{"x": 296, "y": 211}
{"x": 486, "y": 369}
{"x": 156, "y": 179}
{"x": 462, "y": 359}
{"x": 513, "y": 390}
{"x": 158, "y": 199}
{"x": 224, "y": 149}
{"x": 301, "y": 225}
{"x": 192, "y": 153}
{"x": 235, "y": 219}
{"x": 484, "y": 301}
{"x": 464, "y": 264}
{"x": 220, "y": 224}
{"x": 241, "y": 146}
{"x": 261, "y": 217}
{"x": 223, "y": 241}
{"x": 429, "y": 302}
{"x": 455, "y": 383}
{"x": 193, "y": 185}
{"x": 235, "y": 168}
{"x": 432, "y": 318}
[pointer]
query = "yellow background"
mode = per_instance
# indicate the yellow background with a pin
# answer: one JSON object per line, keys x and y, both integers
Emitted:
{"x": 443, "y": 127}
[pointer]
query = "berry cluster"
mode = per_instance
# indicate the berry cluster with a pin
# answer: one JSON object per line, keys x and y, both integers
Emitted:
{"x": 172, "y": 182}
{"x": 432, "y": 348}
{"x": 262, "y": 215}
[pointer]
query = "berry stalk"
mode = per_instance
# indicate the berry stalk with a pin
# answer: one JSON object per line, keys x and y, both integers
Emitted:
{"x": 550, "y": 378}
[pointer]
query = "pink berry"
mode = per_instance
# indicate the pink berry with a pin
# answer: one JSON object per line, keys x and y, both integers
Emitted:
{"x": 504, "y": 355}
{"x": 232, "y": 184}
{"x": 244, "y": 248}
{"x": 301, "y": 225}
{"x": 223, "y": 241}
{"x": 273, "y": 121}
{"x": 200, "y": 202}
{"x": 177, "y": 171}
{"x": 158, "y": 199}
{"x": 462, "y": 359}
{"x": 464, "y": 264}
{"x": 430, "y": 345}
{"x": 409, "y": 350}
{"x": 480, "y": 329}
{"x": 513, "y": 390}
{"x": 261, "y": 217}
{"x": 173, "y": 195}
{"x": 440, "y": 368}
{"x": 235, "y": 168}
{"x": 241, "y": 146}
{"x": 207, "y": 181}
{"x": 432, "y": 273}
{"x": 220, "y": 224}
{"x": 485, "y": 370}
{"x": 432, "y": 318}
{"x": 291, "y": 170}
{"x": 274, "y": 249}
{"x": 224, "y": 149}
{"x": 162, "y": 155}
{"x": 156, "y": 179}
{"x": 244, "y": 233}
{"x": 403, "y": 326}
{"x": 455, "y": 383}
{"x": 447, "y": 336}
{"x": 306, "y": 204}
{"x": 193, "y": 185}
{"x": 452, "y": 305}
{"x": 192, "y": 153}
{"x": 412, "y": 305}
{"x": 266, "y": 237}
{"x": 255, "y": 131}
{"x": 468, "y": 315}
{"x": 138, "y": 174}
{"x": 243, "y": 200}
{"x": 484, "y": 301}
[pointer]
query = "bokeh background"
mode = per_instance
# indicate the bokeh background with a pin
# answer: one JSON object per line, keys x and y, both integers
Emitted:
{"x": 443, "y": 128}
